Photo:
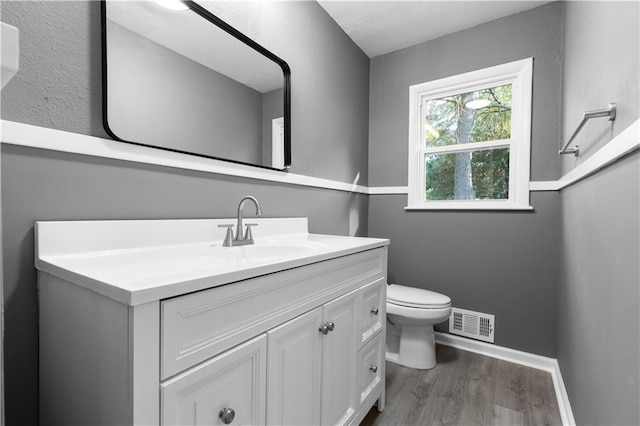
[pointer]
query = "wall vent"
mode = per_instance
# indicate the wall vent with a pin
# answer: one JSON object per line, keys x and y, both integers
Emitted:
{"x": 472, "y": 324}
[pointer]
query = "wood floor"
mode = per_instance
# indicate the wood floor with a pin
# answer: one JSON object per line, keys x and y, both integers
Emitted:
{"x": 467, "y": 389}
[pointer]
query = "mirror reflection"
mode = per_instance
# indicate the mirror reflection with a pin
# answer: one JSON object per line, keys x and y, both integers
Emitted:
{"x": 185, "y": 81}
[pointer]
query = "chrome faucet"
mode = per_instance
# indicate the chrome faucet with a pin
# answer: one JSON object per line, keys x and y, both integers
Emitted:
{"x": 240, "y": 239}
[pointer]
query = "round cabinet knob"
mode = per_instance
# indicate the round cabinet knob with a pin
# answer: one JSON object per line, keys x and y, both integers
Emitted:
{"x": 326, "y": 327}
{"x": 374, "y": 311}
{"x": 227, "y": 415}
{"x": 373, "y": 368}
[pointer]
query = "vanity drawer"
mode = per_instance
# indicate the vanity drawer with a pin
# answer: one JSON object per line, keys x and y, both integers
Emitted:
{"x": 200, "y": 325}
{"x": 372, "y": 309}
{"x": 371, "y": 367}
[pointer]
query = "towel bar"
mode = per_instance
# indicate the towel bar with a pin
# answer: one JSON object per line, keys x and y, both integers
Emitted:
{"x": 609, "y": 111}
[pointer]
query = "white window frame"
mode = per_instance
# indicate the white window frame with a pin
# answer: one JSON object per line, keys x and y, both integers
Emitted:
{"x": 519, "y": 74}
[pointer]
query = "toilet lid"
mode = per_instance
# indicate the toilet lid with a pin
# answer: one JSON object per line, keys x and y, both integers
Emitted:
{"x": 416, "y": 297}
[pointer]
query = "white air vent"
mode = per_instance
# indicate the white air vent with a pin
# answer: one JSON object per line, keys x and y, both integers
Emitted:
{"x": 472, "y": 324}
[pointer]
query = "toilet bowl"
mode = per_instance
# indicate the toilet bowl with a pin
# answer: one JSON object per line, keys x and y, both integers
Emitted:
{"x": 411, "y": 314}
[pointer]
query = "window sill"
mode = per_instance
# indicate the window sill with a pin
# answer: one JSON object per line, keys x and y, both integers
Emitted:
{"x": 471, "y": 207}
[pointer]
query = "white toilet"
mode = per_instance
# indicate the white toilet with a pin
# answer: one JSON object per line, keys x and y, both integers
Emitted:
{"x": 411, "y": 314}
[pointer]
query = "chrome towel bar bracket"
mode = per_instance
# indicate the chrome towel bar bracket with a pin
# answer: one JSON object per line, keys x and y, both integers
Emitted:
{"x": 610, "y": 112}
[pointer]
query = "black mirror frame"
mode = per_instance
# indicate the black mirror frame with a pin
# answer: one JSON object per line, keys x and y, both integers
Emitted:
{"x": 196, "y": 8}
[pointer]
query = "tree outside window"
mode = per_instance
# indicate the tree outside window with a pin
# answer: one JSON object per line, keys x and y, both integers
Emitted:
{"x": 479, "y": 116}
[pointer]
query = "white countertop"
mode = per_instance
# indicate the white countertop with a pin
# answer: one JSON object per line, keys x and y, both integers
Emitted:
{"x": 135, "y": 262}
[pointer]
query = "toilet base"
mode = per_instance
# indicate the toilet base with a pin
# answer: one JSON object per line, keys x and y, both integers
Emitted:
{"x": 417, "y": 348}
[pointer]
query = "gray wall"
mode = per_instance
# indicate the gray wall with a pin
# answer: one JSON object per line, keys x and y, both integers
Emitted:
{"x": 59, "y": 86}
{"x": 601, "y": 43}
{"x": 599, "y": 320}
{"x": 599, "y": 313}
{"x": 503, "y": 263}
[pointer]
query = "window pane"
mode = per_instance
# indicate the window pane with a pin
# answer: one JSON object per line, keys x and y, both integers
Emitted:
{"x": 480, "y": 116}
{"x": 475, "y": 175}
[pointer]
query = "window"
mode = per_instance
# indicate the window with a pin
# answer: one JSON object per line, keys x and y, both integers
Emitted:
{"x": 469, "y": 140}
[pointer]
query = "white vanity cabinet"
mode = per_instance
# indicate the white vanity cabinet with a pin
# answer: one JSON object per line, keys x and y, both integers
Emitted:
{"x": 302, "y": 345}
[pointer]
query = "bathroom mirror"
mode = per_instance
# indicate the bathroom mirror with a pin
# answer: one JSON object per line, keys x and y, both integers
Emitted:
{"x": 185, "y": 81}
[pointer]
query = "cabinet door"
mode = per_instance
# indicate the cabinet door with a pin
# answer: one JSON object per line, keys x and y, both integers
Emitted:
{"x": 293, "y": 372}
{"x": 339, "y": 352}
{"x": 234, "y": 380}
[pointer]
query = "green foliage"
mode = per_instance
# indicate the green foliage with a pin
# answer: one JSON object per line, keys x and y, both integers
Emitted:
{"x": 440, "y": 169}
{"x": 491, "y": 174}
{"x": 489, "y": 167}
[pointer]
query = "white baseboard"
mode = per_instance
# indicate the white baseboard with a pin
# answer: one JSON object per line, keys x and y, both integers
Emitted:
{"x": 539, "y": 362}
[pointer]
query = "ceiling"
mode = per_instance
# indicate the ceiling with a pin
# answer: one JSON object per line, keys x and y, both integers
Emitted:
{"x": 380, "y": 27}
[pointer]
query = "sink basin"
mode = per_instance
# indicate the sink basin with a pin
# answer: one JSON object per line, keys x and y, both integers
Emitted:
{"x": 270, "y": 250}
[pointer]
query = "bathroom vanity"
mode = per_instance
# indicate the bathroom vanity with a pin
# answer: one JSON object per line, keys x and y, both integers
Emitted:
{"x": 154, "y": 322}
